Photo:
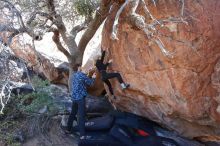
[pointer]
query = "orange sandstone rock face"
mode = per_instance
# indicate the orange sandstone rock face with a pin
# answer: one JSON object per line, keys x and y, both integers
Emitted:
{"x": 181, "y": 93}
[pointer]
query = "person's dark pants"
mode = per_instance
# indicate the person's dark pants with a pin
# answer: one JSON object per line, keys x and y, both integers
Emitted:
{"x": 106, "y": 76}
{"x": 78, "y": 106}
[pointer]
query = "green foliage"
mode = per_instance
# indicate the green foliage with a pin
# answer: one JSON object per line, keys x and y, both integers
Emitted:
{"x": 85, "y": 7}
{"x": 8, "y": 139}
{"x": 16, "y": 144}
{"x": 35, "y": 101}
{"x": 7, "y": 136}
{"x": 23, "y": 104}
{"x": 38, "y": 83}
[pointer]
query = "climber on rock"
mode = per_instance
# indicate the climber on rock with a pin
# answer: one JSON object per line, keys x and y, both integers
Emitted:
{"x": 79, "y": 82}
{"x": 101, "y": 66}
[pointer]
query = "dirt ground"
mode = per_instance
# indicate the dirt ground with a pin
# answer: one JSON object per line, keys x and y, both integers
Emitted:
{"x": 35, "y": 133}
{"x": 54, "y": 137}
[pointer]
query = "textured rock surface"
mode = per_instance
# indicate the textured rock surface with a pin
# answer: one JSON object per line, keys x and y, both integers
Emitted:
{"x": 98, "y": 87}
{"x": 53, "y": 69}
{"x": 182, "y": 92}
{"x": 10, "y": 66}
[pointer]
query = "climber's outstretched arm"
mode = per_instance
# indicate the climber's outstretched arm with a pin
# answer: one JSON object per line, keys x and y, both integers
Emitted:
{"x": 103, "y": 55}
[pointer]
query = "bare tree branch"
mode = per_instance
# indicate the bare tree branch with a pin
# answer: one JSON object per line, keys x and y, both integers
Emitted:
{"x": 51, "y": 7}
{"x": 34, "y": 14}
{"x": 16, "y": 12}
{"x": 149, "y": 28}
{"x": 77, "y": 29}
{"x": 56, "y": 18}
{"x": 56, "y": 39}
{"x": 13, "y": 29}
{"x": 183, "y": 6}
{"x": 146, "y": 10}
{"x": 5, "y": 89}
{"x": 115, "y": 24}
{"x": 154, "y": 3}
{"x": 100, "y": 16}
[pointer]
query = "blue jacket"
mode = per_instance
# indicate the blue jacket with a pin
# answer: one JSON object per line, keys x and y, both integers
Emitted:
{"x": 79, "y": 83}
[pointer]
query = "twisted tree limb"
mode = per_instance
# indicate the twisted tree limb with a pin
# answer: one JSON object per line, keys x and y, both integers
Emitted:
{"x": 60, "y": 47}
{"x": 4, "y": 95}
{"x": 149, "y": 28}
{"x": 100, "y": 16}
{"x": 115, "y": 24}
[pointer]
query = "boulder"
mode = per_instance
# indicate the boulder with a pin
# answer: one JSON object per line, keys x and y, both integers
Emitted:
{"x": 182, "y": 92}
{"x": 90, "y": 59}
{"x": 55, "y": 70}
{"x": 10, "y": 66}
{"x": 21, "y": 88}
{"x": 94, "y": 104}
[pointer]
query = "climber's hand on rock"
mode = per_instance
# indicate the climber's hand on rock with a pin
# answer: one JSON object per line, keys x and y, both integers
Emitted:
{"x": 110, "y": 61}
{"x": 94, "y": 75}
{"x": 92, "y": 70}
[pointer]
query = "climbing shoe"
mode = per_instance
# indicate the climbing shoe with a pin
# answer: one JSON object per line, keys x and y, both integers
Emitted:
{"x": 124, "y": 85}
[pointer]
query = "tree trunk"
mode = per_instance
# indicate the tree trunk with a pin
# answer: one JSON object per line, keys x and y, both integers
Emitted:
{"x": 72, "y": 69}
{"x": 70, "y": 79}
